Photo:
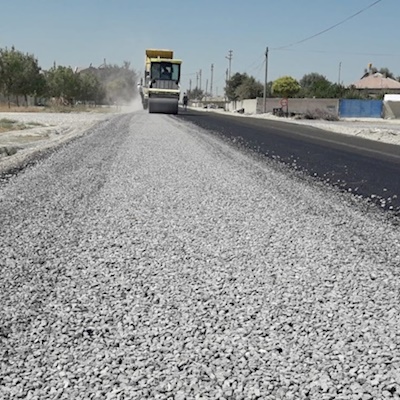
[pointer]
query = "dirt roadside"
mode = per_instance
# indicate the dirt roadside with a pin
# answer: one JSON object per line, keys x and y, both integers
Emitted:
{"x": 45, "y": 132}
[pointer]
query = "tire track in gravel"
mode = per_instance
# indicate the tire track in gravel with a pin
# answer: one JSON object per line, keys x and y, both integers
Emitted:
{"x": 152, "y": 260}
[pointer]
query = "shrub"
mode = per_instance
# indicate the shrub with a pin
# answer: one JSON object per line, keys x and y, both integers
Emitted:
{"x": 320, "y": 114}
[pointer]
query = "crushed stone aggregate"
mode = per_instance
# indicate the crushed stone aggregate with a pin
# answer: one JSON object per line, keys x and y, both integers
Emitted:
{"x": 150, "y": 259}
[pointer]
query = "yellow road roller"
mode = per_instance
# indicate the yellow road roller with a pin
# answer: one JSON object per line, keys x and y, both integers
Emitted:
{"x": 160, "y": 88}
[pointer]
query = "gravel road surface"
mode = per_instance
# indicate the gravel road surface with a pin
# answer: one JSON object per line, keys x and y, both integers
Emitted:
{"x": 150, "y": 260}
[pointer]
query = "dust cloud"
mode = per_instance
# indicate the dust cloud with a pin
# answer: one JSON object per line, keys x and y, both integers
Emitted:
{"x": 134, "y": 105}
{"x": 127, "y": 107}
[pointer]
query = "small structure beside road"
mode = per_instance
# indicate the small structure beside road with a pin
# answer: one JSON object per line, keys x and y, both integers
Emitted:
{"x": 375, "y": 84}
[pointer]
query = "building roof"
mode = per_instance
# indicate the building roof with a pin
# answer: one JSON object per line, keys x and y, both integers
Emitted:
{"x": 376, "y": 81}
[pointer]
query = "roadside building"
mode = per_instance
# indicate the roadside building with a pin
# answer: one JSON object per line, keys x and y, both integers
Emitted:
{"x": 376, "y": 84}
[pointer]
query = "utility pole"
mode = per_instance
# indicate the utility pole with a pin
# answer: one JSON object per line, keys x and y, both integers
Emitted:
{"x": 197, "y": 80}
{"x": 266, "y": 81}
{"x": 340, "y": 70}
{"x": 211, "y": 83}
{"x": 200, "y": 79}
{"x": 190, "y": 85}
{"x": 229, "y": 57}
{"x": 226, "y": 82}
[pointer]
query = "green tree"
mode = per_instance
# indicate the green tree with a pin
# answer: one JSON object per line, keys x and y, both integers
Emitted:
{"x": 90, "y": 88}
{"x": 243, "y": 86}
{"x": 232, "y": 84}
{"x": 31, "y": 82}
{"x": 195, "y": 94}
{"x": 384, "y": 71}
{"x": 352, "y": 93}
{"x": 10, "y": 69}
{"x": 63, "y": 83}
{"x": 286, "y": 86}
{"x": 20, "y": 74}
{"x": 336, "y": 91}
{"x": 311, "y": 79}
{"x": 250, "y": 88}
{"x": 315, "y": 85}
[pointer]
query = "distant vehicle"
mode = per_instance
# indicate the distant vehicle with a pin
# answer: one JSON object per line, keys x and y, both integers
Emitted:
{"x": 160, "y": 88}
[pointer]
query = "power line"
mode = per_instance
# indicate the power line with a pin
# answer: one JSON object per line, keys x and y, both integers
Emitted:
{"x": 260, "y": 66}
{"x": 256, "y": 65}
{"x": 330, "y": 28}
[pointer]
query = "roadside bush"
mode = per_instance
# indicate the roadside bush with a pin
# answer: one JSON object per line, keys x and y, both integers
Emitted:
{"x": 319, "y": 114}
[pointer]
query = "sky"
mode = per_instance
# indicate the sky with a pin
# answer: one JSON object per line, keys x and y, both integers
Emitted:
{"x": 78, "y": 33}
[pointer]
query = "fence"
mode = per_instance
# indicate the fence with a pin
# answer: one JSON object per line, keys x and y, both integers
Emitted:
{"x": 351, "y": 108}
{"x": 343, "y": 108}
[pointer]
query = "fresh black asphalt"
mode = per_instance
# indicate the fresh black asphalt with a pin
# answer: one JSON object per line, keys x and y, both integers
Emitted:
{"x": 364, "y": 167}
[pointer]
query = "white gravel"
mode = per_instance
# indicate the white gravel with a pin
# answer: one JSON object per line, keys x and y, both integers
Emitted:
{"x": 149, "y": 260}
{"x": 52, "y": 129}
